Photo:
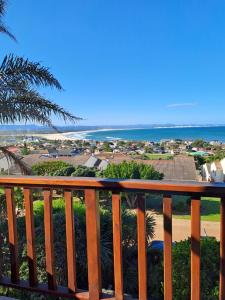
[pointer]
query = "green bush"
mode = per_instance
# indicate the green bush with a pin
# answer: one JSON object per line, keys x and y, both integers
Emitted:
{"x": 49, "y": 167}
{"x": 132, "y": 170}
{"x": 67, "y": 171}
{"x": 129, "y": 244}
{"x": 181, "y": 254}
{"x": 82, "y": 171}
{"x": 209, "y": 269}
{"x": 181, "y": 204}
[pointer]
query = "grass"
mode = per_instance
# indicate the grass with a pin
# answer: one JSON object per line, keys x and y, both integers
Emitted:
{"x": 210, "y": 207}
{"x": 165, "y": 156}
{"x": 210, "y": 210}
{"x": 154, "y": 156}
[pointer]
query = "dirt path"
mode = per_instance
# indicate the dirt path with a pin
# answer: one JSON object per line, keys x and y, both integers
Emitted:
{"x": 182, "y": 229}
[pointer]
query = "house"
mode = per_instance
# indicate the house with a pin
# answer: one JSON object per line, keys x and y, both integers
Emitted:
{"x": 103, "y": 165}
{"x": 181, "y": 167}
{"x": 206, "y": 173}
{"x": 214, "y": 171}
{"x": 52, "y": 152}
{"x": 175, "y": 151}
{"x": 5, "y": 163}
{"x": 65, "y": 152}
{"x": 92, "y": 162}
{"x": 95, "y": 162}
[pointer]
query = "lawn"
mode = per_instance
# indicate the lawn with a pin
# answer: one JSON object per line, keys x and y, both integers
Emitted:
{"x": 210, "y": 210}
{"x": 153, "y": 156}
{"x": 165, "y": 156}
{"x": 210, "y": 207}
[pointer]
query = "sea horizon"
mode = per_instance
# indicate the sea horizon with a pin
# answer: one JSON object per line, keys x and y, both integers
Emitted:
{"x": 208, "y": 133}
{"x": 154, "y": 132}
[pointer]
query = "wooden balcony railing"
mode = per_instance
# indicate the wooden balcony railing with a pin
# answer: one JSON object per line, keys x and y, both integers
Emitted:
{"x": 91, "y": 186}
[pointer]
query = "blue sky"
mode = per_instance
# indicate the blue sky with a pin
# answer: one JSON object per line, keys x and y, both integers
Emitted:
{"x": 128, "y": 61}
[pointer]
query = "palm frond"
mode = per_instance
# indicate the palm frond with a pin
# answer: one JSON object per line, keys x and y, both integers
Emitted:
{"x": 3, "y": 27}
{"x": 5, "y": 30}
{"x": 24, "y": 168}
{"x": 18, "y": 69}
{"x": 30, "y": 106}
{"x": 2, "y": 7}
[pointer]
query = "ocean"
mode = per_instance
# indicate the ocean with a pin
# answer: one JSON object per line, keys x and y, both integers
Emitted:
{"x": 154, "y": 134}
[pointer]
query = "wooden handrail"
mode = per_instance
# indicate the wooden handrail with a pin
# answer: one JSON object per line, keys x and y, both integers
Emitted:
{"x": 91, "y": 186}
{"x": 169, "y": 187}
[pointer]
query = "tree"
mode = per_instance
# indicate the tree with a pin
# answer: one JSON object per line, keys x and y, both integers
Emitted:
{"x": 25, "y": 150}
{"x": 20, "y": 101}
{"x": 132, "y": 170}
{"x": 49, "y": 167}
{"x": 199, "y": 143}
{"x": 82, "y": 171}
{"x": 106, "y": 147}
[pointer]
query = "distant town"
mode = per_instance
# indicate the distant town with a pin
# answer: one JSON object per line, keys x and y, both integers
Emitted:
{"x": 177, "y": 159}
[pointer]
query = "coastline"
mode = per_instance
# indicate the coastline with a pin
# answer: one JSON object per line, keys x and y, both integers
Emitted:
{"x": 75, "y": 135}
{"x": 189, "y": 133}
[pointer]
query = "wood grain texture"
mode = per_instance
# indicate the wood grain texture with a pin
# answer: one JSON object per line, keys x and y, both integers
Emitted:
{"x": 222, "y": 249}
{"x": 93, "y": 243}
{"x": 142, "y": 254}
{"x": 166, "y": 187}
{"x": 30, "y": 234}
{"x": 12, "y": 231}
{"x": 117, "y": 245}
{"x": 195, "y": 249}
{"x": 167, "y": 223}
{"x": 49, "y": 240}
{"x": 70, "y": 241}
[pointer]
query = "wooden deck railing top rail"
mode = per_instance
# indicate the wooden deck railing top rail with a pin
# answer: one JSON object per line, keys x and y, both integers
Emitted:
{"x": 170, "y": 187}
{"x": 91, "y": 186}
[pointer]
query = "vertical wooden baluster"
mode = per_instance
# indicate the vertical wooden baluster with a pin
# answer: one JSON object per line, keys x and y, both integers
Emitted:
{"x": 13, "y": 240}
{"x": 167, "y": 218}
{"x": 117, "y": 245}
{"x": 142, "y": 254}
{"x": 93, "y": 243}
{"x": 1, "y": 257}
{"x": 195, "y": 249}
{"x": 31, "y": 254}
{"x": 70, "y": 241}
{"x": 222, "y": 249}
{"x": 49, "y": 241}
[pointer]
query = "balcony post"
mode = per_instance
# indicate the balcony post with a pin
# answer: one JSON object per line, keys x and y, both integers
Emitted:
{"x": 222, "y": 249}
{"x": 195, "y": 248}
{"x": 93, "y": 243}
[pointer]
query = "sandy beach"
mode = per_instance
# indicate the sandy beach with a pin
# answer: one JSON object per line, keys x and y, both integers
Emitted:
{"x": 73, "y": 135}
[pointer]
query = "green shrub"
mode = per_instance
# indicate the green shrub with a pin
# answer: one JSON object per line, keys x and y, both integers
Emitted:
{"x": 209, "y": 269}
{"x": 129, "y": 244}
{"x": 49, "y": 167}
{"x": 67, "y": 171}
{"x": 181, "y": 204}
{"x": 82, "y": 171}
{"x": 181, "y": 254}
{"x": 132, "y": 170}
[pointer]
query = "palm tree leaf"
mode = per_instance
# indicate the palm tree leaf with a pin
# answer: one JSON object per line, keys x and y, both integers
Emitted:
{"x": 30, "y": 106}
{"x": 18, "y": 69}
{"x": 24, "y": 168}
{"x": 2, "y": 7}
{"x": 3, "y": 28}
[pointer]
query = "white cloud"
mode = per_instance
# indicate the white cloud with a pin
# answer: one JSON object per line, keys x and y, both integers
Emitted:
{"x": 187, "y": 104}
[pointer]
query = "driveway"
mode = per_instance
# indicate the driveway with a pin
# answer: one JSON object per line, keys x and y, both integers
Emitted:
{"x": 182, "y": 229}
